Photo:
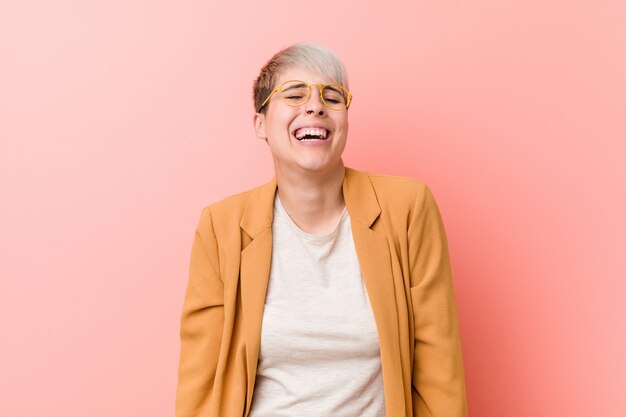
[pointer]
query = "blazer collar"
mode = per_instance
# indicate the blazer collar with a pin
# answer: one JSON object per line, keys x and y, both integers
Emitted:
{"x": 358, "y": 194}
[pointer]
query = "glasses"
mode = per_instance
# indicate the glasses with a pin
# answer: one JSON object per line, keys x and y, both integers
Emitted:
{"x": 297, "y": 93}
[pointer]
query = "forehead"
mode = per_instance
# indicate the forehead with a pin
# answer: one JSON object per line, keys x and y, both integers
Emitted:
{"x": 303, "y": 74}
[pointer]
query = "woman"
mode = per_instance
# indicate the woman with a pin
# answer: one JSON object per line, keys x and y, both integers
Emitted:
{"x": 326, "y": 291}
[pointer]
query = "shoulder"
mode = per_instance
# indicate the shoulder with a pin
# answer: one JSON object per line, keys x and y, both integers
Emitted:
{"x": 397, "y": 190}
{"x": 385, "y": 183}
{"x": 402, "y": 200}
{"x": 228, "y": 211}
{"x": 228, "y": 205}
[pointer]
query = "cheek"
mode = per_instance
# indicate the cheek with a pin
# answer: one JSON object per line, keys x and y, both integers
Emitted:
{"x": 280, "y": 121}
{"x": 342, "y": 124}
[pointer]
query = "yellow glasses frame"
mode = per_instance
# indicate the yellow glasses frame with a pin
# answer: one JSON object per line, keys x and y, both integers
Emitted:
{"x": 321, "y": 88}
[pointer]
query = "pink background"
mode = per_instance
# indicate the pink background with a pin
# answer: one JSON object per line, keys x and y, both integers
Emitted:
{"x": 120, "y": 120}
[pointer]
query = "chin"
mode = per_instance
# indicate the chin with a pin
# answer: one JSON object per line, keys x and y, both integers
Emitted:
{"x": 317, "y": 166}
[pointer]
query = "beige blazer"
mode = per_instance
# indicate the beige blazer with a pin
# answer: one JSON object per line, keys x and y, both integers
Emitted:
{"x": 402, "y": 250}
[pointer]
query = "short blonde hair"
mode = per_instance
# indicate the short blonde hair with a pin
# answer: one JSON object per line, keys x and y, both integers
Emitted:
{"x": 312, "y": 56}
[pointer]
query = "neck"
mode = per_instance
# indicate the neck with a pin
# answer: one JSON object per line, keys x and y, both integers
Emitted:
{"x": 313, "y": 200}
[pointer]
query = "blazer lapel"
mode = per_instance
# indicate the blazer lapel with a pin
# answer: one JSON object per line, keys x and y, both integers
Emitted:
{"x": 372, "y": 250}
{"x": 374, "y": 258}
{"x": 256, "y": 259}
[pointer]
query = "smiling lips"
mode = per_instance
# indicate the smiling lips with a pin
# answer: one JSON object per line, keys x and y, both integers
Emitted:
{"x": 311, "y": 133}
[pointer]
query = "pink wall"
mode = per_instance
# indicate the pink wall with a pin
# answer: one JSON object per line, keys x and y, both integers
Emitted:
{"x": 120, "y": 120}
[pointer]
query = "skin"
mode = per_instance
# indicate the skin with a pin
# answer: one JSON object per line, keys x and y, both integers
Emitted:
{"x": 309, "y": 178}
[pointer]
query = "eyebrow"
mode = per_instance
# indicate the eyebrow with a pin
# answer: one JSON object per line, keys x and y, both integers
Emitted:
{"x": 338, "y": 90}
{"x": 293, "y": 86}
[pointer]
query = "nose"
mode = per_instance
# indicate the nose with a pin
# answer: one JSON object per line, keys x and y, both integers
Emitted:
{"x": 315, "y": 104}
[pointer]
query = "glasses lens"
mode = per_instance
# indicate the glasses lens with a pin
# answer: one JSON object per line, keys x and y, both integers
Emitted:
{"x": 335, "y": 97}
{"x": 295, "y": 93}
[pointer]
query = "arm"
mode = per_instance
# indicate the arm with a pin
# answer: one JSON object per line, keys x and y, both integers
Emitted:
{"x": 438, "y": 375}
{"x": 201, "y": 325}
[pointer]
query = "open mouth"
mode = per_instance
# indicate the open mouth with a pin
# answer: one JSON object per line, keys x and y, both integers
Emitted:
{"x": 312, "y": 133}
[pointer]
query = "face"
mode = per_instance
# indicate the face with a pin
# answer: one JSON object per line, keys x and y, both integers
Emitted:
{"x": 281, "y": 123}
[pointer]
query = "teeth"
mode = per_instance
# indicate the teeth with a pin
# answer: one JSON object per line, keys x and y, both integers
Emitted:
{"x": 311, "y": 131}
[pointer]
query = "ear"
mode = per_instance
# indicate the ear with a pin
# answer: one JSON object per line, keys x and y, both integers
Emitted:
{"x": 259, "y": 125}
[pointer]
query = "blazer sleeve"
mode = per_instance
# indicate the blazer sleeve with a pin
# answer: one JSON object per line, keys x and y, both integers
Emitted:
{"x": 438, "y": 379}
{"x": 201, "y": 324}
